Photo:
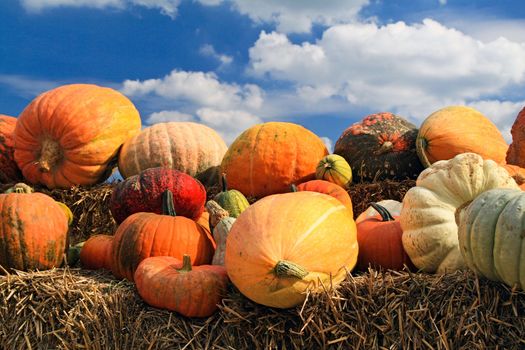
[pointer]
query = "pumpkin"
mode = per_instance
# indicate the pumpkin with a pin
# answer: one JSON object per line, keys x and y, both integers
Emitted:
{"x": 221, "y": 228}
{"x": 33, "y": 231}
{"x": 516, "y": 152}
{"x": 286, "y": 244}
{"x": 143, "y": 192}
{"x": 231, "y": 200}
{"x": 192, "y": 148}
{"x": 393, "y": 207}
{"x": 71, "y": 135}
{"x": 328, "y": 188}
{"x": 96, "y": 252}
{"x": 9, "y": 171}
{"x": 335, "y": 169}
{"x": 380, "y": 244}
{"x": 491, "y": 236}
{"x": 142, "y": 235}
{"x": 168, "y": 283}
{"x": 381, "y": 146}
{"x": 430, "y": 231}
{"x": 459, "y": 129}
{"x": 267, "y": 158}
{"x": 517, "y": 173}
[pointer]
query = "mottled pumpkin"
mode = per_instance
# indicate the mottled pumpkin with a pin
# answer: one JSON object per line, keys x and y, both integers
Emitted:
{"x": 96, "y": 252}
{"x": 231, "y": 200}
{"x": 516, "y": 152}
{"x": 9, "y": 171}
{"x": 168, "y": 283}
{"x": 267, "y": 158}
{"x": 335, "y": 169}
{"x": 71, "y": 135}
{"x": 143, "y": 193}
{"x": 459, "y": 129}
{"x": 286, "y": 244}
{"x": 194, "y": 149}
{"x": 381, "y": 146}
{"x": 328, "y": 188}
{"x": 33, "y": 231}
{"x": 142, "y": 235}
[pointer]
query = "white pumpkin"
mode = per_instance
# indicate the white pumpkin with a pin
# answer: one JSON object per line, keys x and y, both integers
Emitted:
{"x": 428, "y": 215}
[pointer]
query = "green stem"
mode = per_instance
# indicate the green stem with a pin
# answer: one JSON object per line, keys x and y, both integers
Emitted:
{"x": 186, "y": 264}
{"x": 293, "y": 188}
{"x": 285, "y": 268}
{"x": 168, "y": 208}
{"x": 385, "y": 214}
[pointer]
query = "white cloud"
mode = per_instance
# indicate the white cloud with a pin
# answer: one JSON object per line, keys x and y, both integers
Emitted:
{"x": 328, "y": 143}
{"x": 169, "y": 116}
{"x": 442, "y": 2}
{"x": 209, "y": 50}
{"x": 28, "y": 87}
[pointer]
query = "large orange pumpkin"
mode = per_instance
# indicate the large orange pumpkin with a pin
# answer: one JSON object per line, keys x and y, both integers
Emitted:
{"x": 516, "y": 151}
{"x": 458, "y": 129}
{"x": 96, "y": 252}
{"x": 330, "y": 189}
{"x": 71, "y": 135}
{"x": 285, "y": 244}
{"x": 33, "y": 231}
{"x": 191, "y": 148}
{"x": 267, "y": 158}
{"x": 9, "y": 171}
{"x": 143, "y": 235}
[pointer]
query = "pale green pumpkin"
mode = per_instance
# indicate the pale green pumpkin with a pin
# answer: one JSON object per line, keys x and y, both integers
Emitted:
{"x": 335, "y": 169}
{"x": 231, "y": 200}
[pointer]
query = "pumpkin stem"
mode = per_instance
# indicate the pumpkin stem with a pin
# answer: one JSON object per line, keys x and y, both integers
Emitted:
{"x": 50, "y": 155}
{"x": 285, "y": 268}
{"x": 186, "y": 264}
{"x": 20, "y": 188}
{"x": 293, "y": 188}
{"x": 168, "y": 208}
{"x": 224, "y": 183}
{"x": 385, "y": 214}
{"x": 421, "y": 147}
{"x": 385, "y": 148}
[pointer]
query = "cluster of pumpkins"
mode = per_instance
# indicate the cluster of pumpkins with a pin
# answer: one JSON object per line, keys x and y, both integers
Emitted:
{"x": 299, "y": 234}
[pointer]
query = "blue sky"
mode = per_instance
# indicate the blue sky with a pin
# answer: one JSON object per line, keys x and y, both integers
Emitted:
{"x": 234, "y": 63}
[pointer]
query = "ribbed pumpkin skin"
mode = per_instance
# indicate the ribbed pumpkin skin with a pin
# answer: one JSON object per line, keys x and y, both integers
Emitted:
{"x": 192, "y": 148}
{"x": 143, "y": 193}
{"x": 143, "y": 235}
{"x": 491, "y": 236}
{"x": 220, "y": 235}
{"x": 195, "y": 293}
{"x": 312, "y": 230}
{"x": 33, "y": 231}
{"x": 516, "y": 152}
{"x": 233, "y": 201}
{"x": 71, "y": 135}
{"x": 267, "y": 158}
{"x": 9, "y": 171}
{"x": 96, "y": 252}
{"x": 459, "y": 129}
{"x": 330, "y": 189}
{"x": 335, "y": 169}
{"x": 381, "y": 146}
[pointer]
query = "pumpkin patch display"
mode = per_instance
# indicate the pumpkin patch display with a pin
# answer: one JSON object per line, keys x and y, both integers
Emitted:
{"x": 516, "y": 152}
{"x": 71, "y": 135}
{"x": 9, "y": 171}
{"x": 459, "y": 129}
{"x": 491, "y": 236}
{"x": 381, "y": 146}
{"x": 168, "y": 283}
{"x": 95, "y": 253}
{"x": 380, "y": 244}
{"x": 286, "y": 244}
{"x": 269, "y": 157}
{"x": 328, "y": 188}
{"x": 231, "y": 200}
{"x": 33, "y": 231}
{"x": 143, "y": 193}
{"x": 428, "y": 215}
{"x": 142, "y": 235}
{"x": 192, "y": 148}
{"x": 334, "y": 168}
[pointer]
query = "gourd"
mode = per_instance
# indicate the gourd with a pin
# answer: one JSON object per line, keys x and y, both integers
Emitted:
{"x": 231, "y": 200}
{"x": 221, "y": 228}
{"x": 334, "y": 168}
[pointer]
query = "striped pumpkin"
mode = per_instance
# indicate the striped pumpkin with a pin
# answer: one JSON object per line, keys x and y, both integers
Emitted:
{"x": 335, "y": 169}
{"x": 9, "y": 171}
{"x": 192, "y": 148}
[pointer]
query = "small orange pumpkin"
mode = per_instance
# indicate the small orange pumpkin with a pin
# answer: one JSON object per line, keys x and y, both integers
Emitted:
{"x": 328, "y": 188}
{"x": 96, "y": 252}
{"x": 9, "y": 171}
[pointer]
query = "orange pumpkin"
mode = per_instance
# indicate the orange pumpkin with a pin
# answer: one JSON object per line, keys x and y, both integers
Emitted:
{"x": 267, "y": 158}
{"x": 459, "y": 129}
{"x": 9, "y": 171}
{"x": 167, "y": 283}
{"x": 191, "y": 148}
{"x": 285, "y": 244}
{"x": 142, "y": 235}
{"x": 516, "y": 151}
{"x": 71, "y": 135}
{"x": 33, "y": 231}
{"x": 330, "y": 189}
{"x": 379, "y": 239}
{"x": 517, "y": 173}
{"x": 96, "y": 252}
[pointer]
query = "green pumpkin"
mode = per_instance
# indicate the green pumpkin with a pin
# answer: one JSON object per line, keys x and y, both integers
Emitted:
{"x": 491, "y": 237}
{"x": 335, "y": 169}
{"x": 231, "y": 200}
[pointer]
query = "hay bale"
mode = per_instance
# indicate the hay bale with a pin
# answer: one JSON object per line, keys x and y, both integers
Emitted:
{"x": 73, "y": 308}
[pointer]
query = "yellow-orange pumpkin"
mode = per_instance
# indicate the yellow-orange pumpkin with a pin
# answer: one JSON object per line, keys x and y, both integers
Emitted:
{"x": 71, "y": 135}
{"x": 268, "y": 158}
{"x": 328, "y": 188}
{"x": 9, "y": 171}
{"x": 96, "y": 252}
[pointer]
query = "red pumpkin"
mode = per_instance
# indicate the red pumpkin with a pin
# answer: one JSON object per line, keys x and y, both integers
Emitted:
{"x": 328, "y": 188}
{"x": 143, "y": 193}
{"x": 379, "y": 240}
{"x": 9, "y": 171}
{"x": 516, "y": 152}
{"x": 168, "y": 283}
{"x": 143, "y": 235}
{"x": 96, "y": 252}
